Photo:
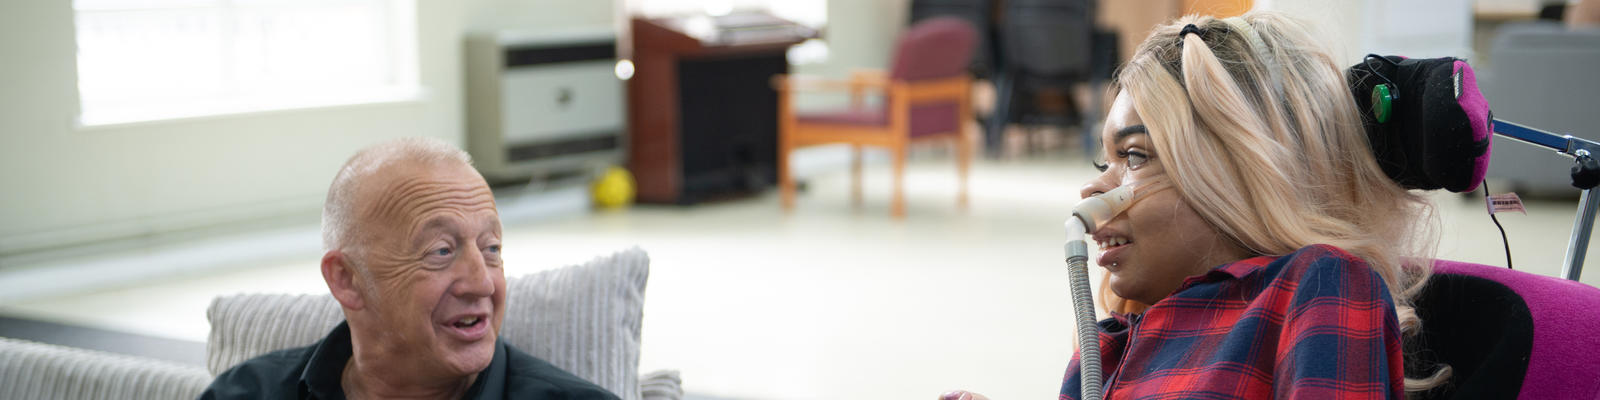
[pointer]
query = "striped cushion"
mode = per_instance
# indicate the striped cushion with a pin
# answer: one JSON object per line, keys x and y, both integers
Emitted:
{"x": 583, "y": 318}
{"x": 30, "y": 370}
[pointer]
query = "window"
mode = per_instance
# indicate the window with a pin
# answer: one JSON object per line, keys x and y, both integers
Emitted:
{"x": 142, "y": 60}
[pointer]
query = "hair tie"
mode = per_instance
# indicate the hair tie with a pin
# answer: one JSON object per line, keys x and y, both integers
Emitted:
{"x": 1190, "y": 28}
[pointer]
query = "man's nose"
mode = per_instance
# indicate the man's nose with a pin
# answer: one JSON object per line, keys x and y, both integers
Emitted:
{"x": 477, "y": 278}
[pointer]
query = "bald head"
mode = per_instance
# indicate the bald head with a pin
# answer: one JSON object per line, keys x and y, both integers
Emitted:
{"x": 413, "y": 258}
{"x": 370, "y": 166}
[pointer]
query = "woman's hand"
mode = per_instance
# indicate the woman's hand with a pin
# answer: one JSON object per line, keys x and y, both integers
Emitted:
{"x": 961, "y": 395}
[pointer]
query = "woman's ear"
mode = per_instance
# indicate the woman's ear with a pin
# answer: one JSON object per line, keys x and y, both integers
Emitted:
{"x": 341, "y": 278}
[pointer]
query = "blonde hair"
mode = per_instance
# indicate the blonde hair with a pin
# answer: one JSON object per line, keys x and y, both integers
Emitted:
{"x": 1259, "y": 133}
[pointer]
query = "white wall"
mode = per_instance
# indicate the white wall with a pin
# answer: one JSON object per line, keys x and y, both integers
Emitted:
{"x": 1413, "y": 28}
{"x": 484, "y": 15}
{"x": 860, "y": 34}
{"x": 62, "y": 186}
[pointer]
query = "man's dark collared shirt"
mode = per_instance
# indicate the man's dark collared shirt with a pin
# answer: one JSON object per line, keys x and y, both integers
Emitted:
{"x": 314, "y": 372}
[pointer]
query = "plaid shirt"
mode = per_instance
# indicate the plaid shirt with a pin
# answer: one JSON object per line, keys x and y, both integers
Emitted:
{"x": 1315, "y": 324}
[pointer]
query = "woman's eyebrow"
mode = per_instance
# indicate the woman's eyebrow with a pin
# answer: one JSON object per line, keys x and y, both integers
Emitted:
{"x": 1128, "y": 131}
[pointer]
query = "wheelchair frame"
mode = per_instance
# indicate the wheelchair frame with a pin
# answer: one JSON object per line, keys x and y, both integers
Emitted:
{"x": 1585, "y": 175}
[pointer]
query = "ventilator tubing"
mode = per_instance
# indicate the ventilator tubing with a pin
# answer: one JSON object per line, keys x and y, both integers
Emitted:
{"x": 1087, "y": 216}
{"x": 1083, "y": 308}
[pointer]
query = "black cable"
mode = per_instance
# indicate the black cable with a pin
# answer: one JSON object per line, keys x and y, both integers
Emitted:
{"x": 1503, "y": 240}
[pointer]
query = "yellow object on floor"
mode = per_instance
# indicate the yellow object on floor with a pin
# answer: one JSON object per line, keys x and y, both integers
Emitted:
{"x": 614, "y": 189}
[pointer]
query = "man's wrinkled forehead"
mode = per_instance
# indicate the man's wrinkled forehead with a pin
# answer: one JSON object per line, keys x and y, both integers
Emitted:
{"x": 403, "y": 193}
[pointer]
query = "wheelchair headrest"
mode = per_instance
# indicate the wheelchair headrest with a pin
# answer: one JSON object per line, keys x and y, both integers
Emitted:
{"x": 1428, "y": 124}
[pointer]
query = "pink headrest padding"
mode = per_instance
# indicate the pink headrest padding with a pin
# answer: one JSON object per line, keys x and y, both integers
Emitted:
{"x": 1565, "y": 360}
{"x": 1477, "y": 109}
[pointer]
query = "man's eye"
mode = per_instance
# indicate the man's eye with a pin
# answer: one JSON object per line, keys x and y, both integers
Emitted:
{"x": 494, "y": 249}
{"x": 442, "y": 252}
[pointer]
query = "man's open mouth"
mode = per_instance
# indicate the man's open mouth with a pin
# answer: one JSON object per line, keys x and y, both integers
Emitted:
{"x": 468, "y": 322}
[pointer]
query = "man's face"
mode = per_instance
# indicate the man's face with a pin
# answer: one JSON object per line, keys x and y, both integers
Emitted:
{"x": 437, "y": 289}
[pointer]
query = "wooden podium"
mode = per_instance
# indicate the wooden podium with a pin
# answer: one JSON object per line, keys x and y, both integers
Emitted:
{"x": 702, "y": 115}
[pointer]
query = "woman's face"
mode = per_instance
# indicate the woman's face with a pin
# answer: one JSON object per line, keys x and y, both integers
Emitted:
{"x": 1159, "y": 240}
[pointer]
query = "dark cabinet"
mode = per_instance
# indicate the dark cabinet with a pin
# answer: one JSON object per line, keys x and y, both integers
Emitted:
{"x": 702, "y": 114}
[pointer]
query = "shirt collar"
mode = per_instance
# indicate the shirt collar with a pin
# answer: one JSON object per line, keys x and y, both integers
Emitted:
{"x": 323, "y": 374}
{"x": 1234, "y": 270}
{"x": 491, "y": 382}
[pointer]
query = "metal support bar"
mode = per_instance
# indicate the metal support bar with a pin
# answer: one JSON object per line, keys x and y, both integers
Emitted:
{"x": 1569, "y": 146}
{"x": 1553, "y": 141}
{"x": 1579, "y": 246}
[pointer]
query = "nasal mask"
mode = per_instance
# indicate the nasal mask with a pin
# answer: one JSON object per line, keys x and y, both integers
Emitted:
{"x": 1089, "y": 215}
{"x": 1095, "y": 211}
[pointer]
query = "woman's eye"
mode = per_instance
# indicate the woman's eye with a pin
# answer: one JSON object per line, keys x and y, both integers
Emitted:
{"x": 1100, "y": 166}
{"x": 1135, "y": 158}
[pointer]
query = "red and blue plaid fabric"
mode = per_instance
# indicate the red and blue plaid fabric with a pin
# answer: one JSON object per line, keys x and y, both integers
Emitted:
{"x": 1314, "y": 324}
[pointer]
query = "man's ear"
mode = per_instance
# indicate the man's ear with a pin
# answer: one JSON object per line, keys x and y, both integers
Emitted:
{"x": 341, "y": 279}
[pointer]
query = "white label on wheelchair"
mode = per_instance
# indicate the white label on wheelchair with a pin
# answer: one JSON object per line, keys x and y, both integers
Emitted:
{"x": 1506, "y": 202}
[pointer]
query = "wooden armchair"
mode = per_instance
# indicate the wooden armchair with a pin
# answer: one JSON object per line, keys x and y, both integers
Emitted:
{"x": 927, "y": 97}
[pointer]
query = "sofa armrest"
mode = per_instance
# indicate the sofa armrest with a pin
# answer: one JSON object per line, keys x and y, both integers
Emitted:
{"x": 30, "y": 370}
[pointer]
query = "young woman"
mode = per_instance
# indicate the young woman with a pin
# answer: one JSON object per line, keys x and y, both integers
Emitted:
{"x": 1268, "y": 255}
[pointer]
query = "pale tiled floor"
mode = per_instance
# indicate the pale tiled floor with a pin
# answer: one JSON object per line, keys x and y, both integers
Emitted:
{"x": 830, "y": 301}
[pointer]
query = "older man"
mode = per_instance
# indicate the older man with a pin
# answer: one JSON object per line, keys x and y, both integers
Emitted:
{"x": 413, "y": 257}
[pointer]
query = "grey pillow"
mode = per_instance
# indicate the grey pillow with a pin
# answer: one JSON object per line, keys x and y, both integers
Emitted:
{"x": 583, "y": 318}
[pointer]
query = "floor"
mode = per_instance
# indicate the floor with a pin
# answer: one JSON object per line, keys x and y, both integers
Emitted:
{"x": 830, "y": 301}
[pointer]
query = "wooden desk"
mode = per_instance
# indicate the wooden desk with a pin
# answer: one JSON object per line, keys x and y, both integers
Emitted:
{"x": 702, "y": 117}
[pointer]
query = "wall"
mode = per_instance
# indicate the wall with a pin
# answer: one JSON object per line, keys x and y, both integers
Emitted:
{"x": 485, "y": 15}
{"x": 1414, "y": 28}
{"x": 64, "y": 186}
{"x": 860, "y": 34}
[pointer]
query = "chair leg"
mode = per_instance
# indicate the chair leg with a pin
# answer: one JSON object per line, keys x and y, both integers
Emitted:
{"x": 855, "y": 175}
{"x": 963, "y": 165}
{"x": 897, "y": 207}
{"x": 785, "y": 182}
{"x": 1091, "y": 119}
{"x": 995, "y": 133}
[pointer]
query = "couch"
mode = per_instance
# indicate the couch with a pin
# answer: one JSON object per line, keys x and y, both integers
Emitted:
{"x": 583, "y": 318}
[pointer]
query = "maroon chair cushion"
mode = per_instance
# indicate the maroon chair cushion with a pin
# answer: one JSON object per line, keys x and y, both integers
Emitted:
{"x": 934, "y": 118}
{"x": 925, "y": 120}
{"x": 865, "y": 117}
{"x": 932, "y": 49}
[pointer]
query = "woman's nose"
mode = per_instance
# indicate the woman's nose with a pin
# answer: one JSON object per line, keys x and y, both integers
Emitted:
{"x": 1100, "y": 184}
